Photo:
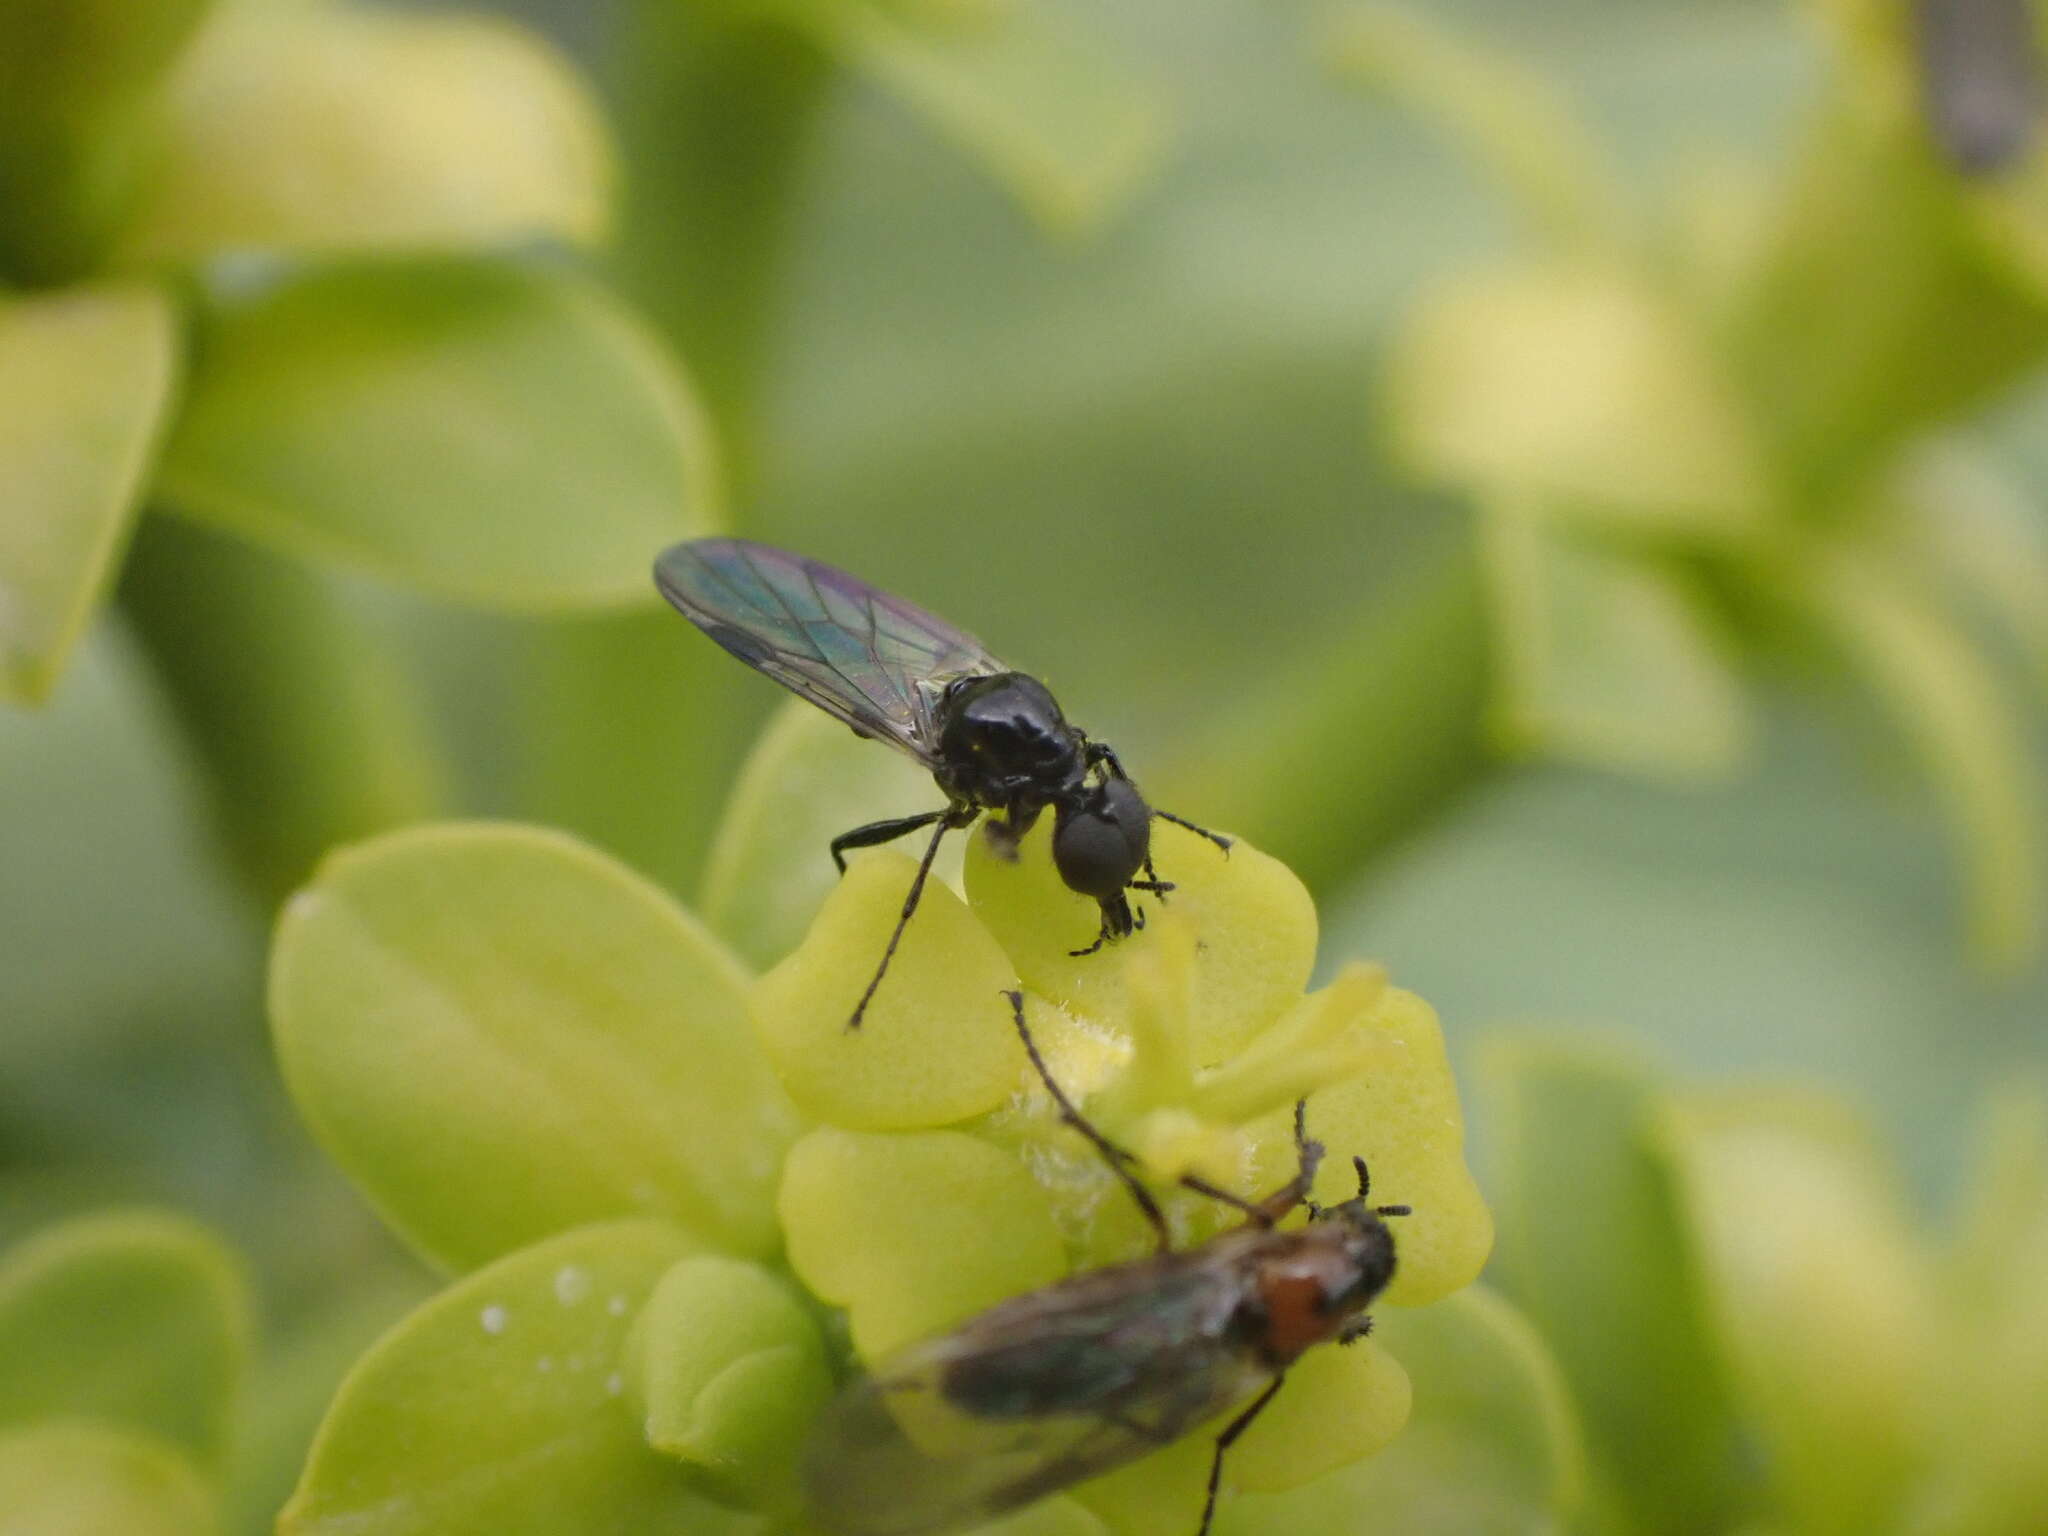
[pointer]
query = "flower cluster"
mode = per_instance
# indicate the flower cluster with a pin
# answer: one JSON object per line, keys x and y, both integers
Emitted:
{"x": 664, "y": 1172}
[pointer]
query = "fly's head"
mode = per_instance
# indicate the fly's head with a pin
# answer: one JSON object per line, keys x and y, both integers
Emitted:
{"x": 1358, "y": 1230}
{"x": 1005, "y": 744}
{"x": 1101, "y": 836}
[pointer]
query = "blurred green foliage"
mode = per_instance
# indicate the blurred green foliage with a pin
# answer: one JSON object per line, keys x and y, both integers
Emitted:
{"x": 1615, "y": 581}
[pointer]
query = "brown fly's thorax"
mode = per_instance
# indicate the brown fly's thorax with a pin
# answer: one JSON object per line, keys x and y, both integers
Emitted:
{"x": 1306, "y": 1292}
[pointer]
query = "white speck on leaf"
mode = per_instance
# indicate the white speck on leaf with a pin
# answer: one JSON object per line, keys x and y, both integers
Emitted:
{"x": 494, "y": 1318}
{"x": 616, "y": 1306}
{"x": 571, "y": 1285}
{"x": 544, "y": 1363}
{"x": 614, "y": 1384}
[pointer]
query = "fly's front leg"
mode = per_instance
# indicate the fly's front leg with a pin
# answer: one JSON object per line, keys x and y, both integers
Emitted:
{"x": 1181, "y": 821}
{"x": 1267, "y": 1212}
{"x": 1117, "y": 923}
{"x": 948, "y": 819}
{"x": 877, "y": 832}
{"x": 1099, "y": 754}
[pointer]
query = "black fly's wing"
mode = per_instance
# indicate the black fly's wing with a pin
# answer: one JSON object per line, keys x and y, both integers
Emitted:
{"x": 1042, "y": 1392}
{"x": 873, "y": 660}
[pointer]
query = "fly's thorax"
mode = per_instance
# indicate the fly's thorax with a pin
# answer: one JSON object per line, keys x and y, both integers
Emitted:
{"x": 1311, "y": 1282}
{"x": 1003, "y": 742}
{"x": 1100, "y": 838}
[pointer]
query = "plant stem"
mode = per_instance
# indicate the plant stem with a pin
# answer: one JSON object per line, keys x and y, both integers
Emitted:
{"x": 718, "y": 109}
{"x": 1366, "y": 741}
{"x": 309, "y": 731}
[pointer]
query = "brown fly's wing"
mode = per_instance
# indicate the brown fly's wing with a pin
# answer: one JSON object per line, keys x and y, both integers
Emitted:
{"x": 1043, "y": 1392}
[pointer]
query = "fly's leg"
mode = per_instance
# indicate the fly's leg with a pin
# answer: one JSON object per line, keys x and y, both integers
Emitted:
{"x": 1268, "y": 1211}
{"x": 1358, "y": 1328}
{"x": 1224, "y": 1441}
{"x": 1098, "y": 754}
{"x": 1118, "y": 1158}
{"x": 1308, "y": 1154}
{"x": 1181, "y": 821}
{"x": 1117, "y": 923}
{"x": 955, "y": 816}
{"x": 881, "y": 832}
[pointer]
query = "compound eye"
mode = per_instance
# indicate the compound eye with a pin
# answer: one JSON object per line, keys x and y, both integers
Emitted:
{"x": 1100, "y": 845}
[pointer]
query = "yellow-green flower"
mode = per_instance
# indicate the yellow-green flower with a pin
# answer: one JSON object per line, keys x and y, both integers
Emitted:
{"x": 664, "y": 1172}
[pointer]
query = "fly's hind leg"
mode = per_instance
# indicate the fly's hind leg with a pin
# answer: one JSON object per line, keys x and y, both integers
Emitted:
{"x": 1224, "y": 1441}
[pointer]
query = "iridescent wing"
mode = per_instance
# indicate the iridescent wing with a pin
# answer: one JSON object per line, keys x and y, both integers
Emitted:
{"x": 874, "y": 661}
{"x": 1038, "y": 1394}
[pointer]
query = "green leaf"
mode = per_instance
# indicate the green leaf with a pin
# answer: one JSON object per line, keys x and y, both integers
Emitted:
{"x": 1875, "y": 315}
{"x": 807, "y": 780}
{"x": 1492, "y": 1446}
{"x": 497, "y": 433}
{"x": 1580, "y": 386}
{"x": 296, "y": 1375}
{"x": 728, "y": 1368}
{"x": 139, "y": 1319}
{"x": 1967, "y": 518}
{"x": 292, "y": 694}
{"x": 1593, "y": 1250}
{"x": 80, "y": 1479}
{"x": 85, "y": 382}
{"x": 1054, "y": 115}
{"x": 500, "y": 1407}
{"x": 1818, "y": 1292}
{"x": 1986, "y": 1476}
{"x": 72, "y": 55}
{"x": 77, "y": 119}
{"x": 1507, "y": 119}
{"x": 1605, "y": 657}
{"x": 499, "y": 1033}
{"x": 343, "y": 127}
{"x": 1949, "y": 705}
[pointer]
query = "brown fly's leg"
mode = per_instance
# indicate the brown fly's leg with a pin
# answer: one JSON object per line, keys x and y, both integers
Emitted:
{"x": 1118, "y": 1159}
{"x": 1231, "y": 1431}
{"x": 1267, "y": 1212}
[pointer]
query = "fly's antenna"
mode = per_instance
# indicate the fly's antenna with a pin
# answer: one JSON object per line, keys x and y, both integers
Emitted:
{"x": 1118, "y": 1159}
{"x": 1365, "y": 1193}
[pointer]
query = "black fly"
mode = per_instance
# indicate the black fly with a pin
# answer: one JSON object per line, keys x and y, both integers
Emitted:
{"x": 1061, "y": 1384}
{"x": 993, "y": 738}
